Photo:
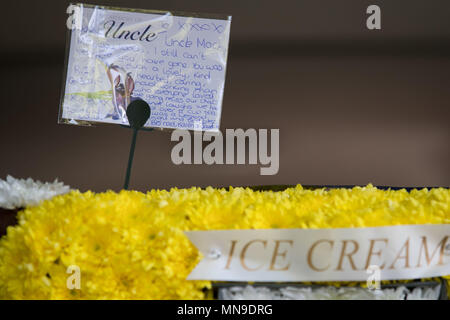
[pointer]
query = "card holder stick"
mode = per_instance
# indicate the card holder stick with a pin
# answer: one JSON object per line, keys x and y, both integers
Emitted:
{"x": 130, "y": 159}
{"x": 138, "y": 112}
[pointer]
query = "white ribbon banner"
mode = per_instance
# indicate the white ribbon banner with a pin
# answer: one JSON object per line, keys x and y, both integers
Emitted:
{"x": 284, "y": 255}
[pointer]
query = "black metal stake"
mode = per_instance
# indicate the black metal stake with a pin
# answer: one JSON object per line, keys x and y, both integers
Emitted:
{"x": 138, "y": 112}
{"x": 130, "y": 159}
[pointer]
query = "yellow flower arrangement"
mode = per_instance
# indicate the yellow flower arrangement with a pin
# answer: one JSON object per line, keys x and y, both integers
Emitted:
{"x": 131, "y": 245}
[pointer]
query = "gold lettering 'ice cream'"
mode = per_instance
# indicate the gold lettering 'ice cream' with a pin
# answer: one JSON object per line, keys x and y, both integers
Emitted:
{"x": 399, "y": 252}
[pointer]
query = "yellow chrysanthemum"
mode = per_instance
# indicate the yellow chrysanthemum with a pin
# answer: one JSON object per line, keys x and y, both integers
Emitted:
{"x": 131, "y": 245}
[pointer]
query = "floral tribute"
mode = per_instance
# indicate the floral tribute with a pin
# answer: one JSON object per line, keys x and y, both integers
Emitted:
{"x": 131, "y": 245}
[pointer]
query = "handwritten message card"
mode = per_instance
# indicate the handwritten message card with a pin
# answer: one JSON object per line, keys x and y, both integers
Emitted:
{"x": 174, "y": 62}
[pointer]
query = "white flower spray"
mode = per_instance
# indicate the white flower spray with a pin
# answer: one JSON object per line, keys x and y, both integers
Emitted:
{"x": 329, "y": 293}
{"x": 21, "y": 193}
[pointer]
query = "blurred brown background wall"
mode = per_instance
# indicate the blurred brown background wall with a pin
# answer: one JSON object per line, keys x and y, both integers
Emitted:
{"x": 353, "y": 106}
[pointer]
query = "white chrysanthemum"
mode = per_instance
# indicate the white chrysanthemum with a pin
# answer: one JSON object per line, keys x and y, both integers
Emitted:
{"x": 21, "y": 193}
{"x": 328, "y": 293}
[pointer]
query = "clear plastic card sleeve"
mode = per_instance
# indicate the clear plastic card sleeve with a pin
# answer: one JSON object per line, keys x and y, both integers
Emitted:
{"x": 176, "y": 62}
